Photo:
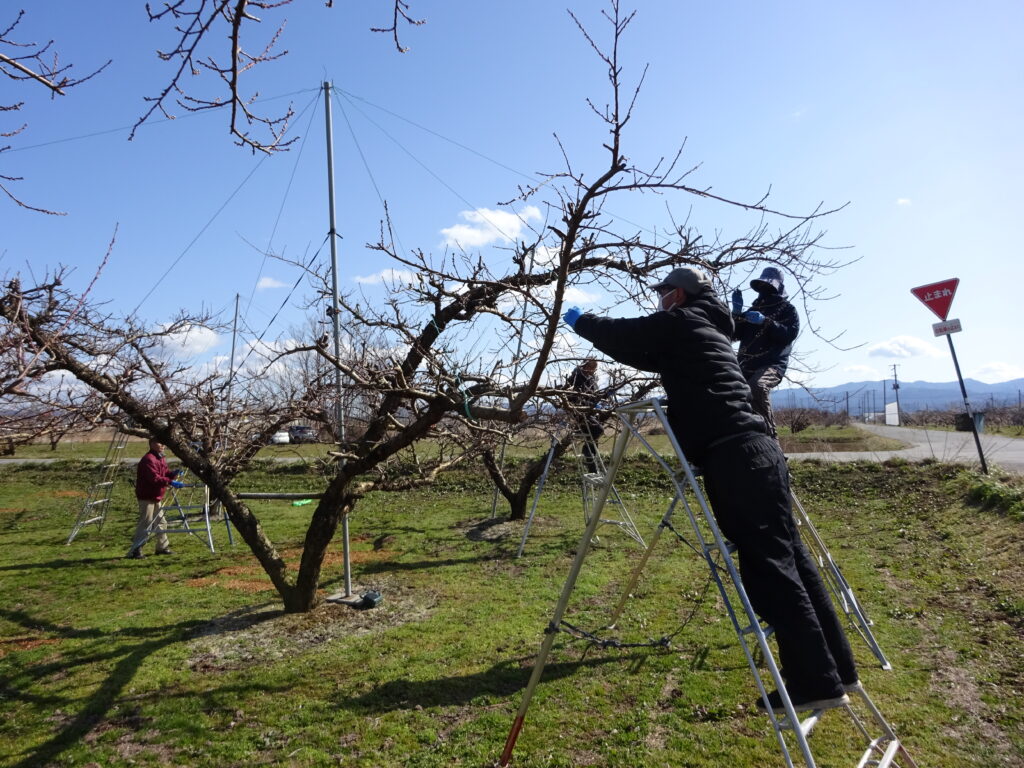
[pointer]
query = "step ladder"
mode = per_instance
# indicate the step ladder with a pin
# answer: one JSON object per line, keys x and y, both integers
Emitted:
{"x": 882, "y": 747}
{"x": 97, "y": 502}
{"x": 592, "y": 472}
{"x": 842, "y": 592}
{"x": 187, "y": 510}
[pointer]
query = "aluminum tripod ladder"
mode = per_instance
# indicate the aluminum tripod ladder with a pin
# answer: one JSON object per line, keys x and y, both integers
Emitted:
{"x": 592, "y": 473}
{"x": 882, "y": 746}
{"x": 187, "y": 510}
{"x": 97, "y": 502}
{"x": 842, "y": 592}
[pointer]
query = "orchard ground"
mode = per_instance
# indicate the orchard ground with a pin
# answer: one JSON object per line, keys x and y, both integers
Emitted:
{"x": 188, "y": 660}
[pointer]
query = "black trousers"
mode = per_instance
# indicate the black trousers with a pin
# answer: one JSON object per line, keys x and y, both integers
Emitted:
{"x": 747, "y": 483}
{"x": 591, "y": 429}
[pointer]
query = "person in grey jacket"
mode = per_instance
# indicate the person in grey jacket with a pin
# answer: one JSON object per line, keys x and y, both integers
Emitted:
{"x": 688, "y": 342}
{"x": 766, "y": 333}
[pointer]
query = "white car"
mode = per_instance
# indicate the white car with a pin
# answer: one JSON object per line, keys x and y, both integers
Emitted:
{"x": 280, "y": 438}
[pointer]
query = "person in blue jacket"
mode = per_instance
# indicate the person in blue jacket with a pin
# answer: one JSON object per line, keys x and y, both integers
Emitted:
{"x": 766, "y": 333}
{"x": 688, "y": 342}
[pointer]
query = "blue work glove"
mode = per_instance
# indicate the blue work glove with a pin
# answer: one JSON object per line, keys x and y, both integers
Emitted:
{"x": 178, "y": 473}
{"x": 571, "y": 316}
{"x": 737, "y": 301}
{"x": 177, "y": 484}
{"x": 753, "y": 317}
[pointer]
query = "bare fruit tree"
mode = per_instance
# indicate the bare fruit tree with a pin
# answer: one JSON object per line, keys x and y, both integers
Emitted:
{"x": 457, "y": 358}
{"x": 210, "y": 44}
{"x": 37, "y": 65}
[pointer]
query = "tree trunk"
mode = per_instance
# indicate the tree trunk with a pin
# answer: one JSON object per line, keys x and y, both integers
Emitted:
{"x": 519, "y": 497}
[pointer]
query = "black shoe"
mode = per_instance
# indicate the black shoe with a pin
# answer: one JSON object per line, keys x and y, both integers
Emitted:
{"x": 801, "y": 703}
{"x": 134, "y": 554}
{"x": 164, "y": 552}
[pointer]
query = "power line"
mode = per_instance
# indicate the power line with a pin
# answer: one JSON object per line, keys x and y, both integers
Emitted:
{"x": 203, "y": 229}
{"x": 284, "y": 303}
{"x": 438, "y": 178}
{"x": 107, "y": 131}
{"x": 200, "y": 233}
{"x": 528, "y": 176}
{"x": 284, "y": 199}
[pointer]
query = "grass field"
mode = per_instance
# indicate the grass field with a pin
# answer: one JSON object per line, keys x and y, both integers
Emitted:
{"x": 812, "y": 439}
{"x": 187, "y": 660}
{"x": 134, "y": 449}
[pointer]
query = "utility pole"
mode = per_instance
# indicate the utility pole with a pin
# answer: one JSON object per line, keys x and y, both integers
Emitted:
{"x": 896, "y": 390}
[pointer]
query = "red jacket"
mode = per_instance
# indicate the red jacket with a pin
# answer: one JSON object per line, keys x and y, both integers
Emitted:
{"x": 152, "y": 478}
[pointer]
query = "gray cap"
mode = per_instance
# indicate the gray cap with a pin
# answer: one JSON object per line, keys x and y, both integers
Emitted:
{"x": 691, "y": 280}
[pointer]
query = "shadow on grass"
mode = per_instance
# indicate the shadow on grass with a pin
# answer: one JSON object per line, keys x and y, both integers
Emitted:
{"x": 93, "y": 709}
{"x": 502, "y": 679}
{"x": 60, "y": 563}
{"x": 386, "y": 566}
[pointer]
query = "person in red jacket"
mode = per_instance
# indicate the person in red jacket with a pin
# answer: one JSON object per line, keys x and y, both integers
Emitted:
{"x": 151, "y": 480}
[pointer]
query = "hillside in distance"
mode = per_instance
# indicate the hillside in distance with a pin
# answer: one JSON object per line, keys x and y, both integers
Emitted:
{"x": 868, "y": 396}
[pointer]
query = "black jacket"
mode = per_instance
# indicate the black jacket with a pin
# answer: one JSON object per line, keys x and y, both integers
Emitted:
{"x": 767, "y": 345}
{"x": 584, "y": 387}
{"x": 690, "y": 347}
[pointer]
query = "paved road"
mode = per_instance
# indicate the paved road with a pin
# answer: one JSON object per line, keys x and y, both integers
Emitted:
{"x": 1006, "y": 453}
{"x": 1003, "y": 452}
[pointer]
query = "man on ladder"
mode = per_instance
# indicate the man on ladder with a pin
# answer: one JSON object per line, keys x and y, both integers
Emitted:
{"x": 687, "y": 342}
{"x": 583, "y": 383}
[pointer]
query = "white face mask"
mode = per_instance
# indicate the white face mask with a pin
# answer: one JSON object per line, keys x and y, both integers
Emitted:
{"x": 667, "y": 301}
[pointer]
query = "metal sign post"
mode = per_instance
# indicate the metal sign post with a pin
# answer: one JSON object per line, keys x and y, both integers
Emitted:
{"x": 938, "y": 297}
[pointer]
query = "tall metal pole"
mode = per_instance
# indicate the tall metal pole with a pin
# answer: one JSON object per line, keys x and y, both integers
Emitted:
{"x": 967, "y": 405}
{"x": 231, "y": 369}
{"x": 339, "y": 411}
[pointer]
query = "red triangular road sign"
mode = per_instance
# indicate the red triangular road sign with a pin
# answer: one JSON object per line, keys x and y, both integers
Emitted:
{"x": 938, "y": 296}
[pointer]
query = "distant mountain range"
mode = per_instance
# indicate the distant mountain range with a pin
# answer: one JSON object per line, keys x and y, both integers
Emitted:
{"x": 869, "y": 396}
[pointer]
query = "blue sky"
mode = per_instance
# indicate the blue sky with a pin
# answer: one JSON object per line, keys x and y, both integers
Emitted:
{"x": 910, "y": 113}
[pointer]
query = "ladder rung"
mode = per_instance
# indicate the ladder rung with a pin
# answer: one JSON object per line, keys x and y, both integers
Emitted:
{"x": 885, "y": 760}
{"x": 104, "y": 484}
{"x": 97, "y": 501}
{"x": 808, "y": 723}
{"x": 713, "y": 547}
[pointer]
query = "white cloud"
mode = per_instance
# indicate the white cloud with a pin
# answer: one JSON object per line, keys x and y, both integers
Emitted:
{"x": 862, "y": 373}
{"x": 905, "y": 201}
{"x": 191, "y": 341}
{"x": 903, "y": 346}
{"x": 388, "y": 277}
{"x": 996, "y": 372}
{"x": 269, "y": 282}
{"x": 485, "y": 226}
{"x": 574, "y": 295}
{"x": 511, "y": 303}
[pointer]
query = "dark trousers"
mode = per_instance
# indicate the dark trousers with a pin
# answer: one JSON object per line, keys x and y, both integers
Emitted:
{"x": 590, "y": 430}
{"x": 747, "y": 483}
{"x": 761, "y": 383}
